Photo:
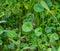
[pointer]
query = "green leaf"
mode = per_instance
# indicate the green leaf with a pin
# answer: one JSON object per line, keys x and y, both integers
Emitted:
{"x": 53, "y": 48}
{"x": 43, "y": 3}
{"x": 58, "y": 28}
{"x": 49, "y": 2}
{"x": 1, "y": 30}
{"x": 54, "y": 37}
{"x": 59, "y": 49}
{"x": 49, "y": 49}
{"x": 1, "y": 14}
{"x": 30, "y": 18}
{"x": 38, "y": 7}
{"x": 27, "y": 27}
{"x": 3, "y": 21}
{"x": 11, "y": 34}
{"x": 48, "y": 30}
{"x": 1, "y": 42}
{"x": 38, "y": 31}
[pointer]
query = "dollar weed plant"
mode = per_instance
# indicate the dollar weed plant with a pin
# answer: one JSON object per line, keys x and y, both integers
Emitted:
{"x": 29, "y": 25}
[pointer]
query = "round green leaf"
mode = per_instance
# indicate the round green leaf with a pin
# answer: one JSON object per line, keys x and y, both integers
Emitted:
{"x": 38, "y": 31}
{"x": 48, "y": 29}
{"x": 38, "y": 7}
{"x": 27, "y": 27}
{"x": 11, "y": 34}
{"x": 54, "y": 37}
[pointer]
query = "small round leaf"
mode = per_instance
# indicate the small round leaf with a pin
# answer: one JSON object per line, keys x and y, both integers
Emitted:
{"x": 38, "y": 31}
{"x": 27, "y": 27}
{"x": 38, "y": 7}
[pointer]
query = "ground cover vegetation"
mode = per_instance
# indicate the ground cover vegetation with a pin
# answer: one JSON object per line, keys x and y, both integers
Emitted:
{"x": 29, "y": 25}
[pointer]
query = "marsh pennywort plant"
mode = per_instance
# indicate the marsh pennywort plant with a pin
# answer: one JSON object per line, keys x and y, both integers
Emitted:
{"x": 32, "y": 25}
